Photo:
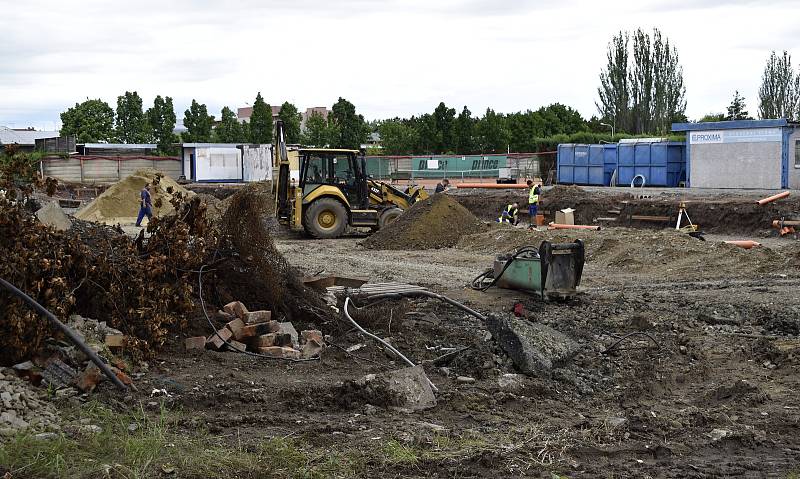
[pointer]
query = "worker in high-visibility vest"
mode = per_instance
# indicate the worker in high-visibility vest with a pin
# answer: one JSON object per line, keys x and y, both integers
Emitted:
{"x": 509, "y": 214}
{"x": 533, "y": 201}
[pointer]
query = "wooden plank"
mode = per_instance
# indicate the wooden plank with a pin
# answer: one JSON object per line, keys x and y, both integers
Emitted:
{"x": 650, "y": 218}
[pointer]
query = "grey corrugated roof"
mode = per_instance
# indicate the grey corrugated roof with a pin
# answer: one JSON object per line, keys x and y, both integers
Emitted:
{"x": 25, "y": 137}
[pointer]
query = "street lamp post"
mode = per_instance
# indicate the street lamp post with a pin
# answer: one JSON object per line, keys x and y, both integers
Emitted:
{"x": 612, "y": 129}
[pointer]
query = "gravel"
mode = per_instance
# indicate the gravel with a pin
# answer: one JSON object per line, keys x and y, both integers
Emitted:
{"x": 23, "y": 407}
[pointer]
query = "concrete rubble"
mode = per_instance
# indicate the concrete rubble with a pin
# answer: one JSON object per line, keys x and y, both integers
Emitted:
{"x": 408, "y": 388}
{"x": 23, "y": 407}
{"x": 52, "y": 215}
{"x": 535, "y": 348}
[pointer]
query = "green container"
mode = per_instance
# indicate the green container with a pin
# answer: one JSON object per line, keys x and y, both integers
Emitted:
{"x": 523, "y": 273}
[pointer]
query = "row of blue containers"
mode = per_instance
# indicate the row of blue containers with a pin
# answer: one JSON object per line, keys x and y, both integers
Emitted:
{"x": 661, "y": 163}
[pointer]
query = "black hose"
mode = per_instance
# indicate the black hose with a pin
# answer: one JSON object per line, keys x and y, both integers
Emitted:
{"x": 68, "y": 332}
{"x": 477, "y": 282}
{"x": 635, "y": 333}
{"x": 406, "y": 294}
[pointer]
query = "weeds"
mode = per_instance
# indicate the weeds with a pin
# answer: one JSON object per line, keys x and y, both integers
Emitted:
{"x": 134, "y": 446}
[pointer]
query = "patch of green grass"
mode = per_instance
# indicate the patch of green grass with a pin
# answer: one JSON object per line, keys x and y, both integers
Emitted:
{"x": 396, "y": 453}
{"x": 157, "y": 448}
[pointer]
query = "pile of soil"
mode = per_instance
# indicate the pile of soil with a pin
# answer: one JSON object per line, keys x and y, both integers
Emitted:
{"x": 438, "y": 222}
{"x": 120, "y": 203}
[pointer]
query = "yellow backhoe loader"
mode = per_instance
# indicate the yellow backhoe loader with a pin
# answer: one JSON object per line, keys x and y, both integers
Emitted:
{"x": 334, "y": 191}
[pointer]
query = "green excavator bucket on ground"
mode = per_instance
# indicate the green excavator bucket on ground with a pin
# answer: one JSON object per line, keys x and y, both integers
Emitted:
{"x": 552, "y": 270}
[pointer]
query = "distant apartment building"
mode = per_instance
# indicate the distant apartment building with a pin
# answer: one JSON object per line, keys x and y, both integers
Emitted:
{"x": 244, "y": 113}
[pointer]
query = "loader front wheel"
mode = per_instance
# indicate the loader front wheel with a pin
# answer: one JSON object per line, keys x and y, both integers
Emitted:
{"x": 388, "y": 217}
{"x": 325, "y": 218}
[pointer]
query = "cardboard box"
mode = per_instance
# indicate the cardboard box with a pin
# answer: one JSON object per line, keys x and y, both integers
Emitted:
{"x": 565, "y": 217}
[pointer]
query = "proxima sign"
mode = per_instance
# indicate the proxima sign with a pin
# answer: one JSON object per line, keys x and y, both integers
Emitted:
{"x": 744, "y": 135}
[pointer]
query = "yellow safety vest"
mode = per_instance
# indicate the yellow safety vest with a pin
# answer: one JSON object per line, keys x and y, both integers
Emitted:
{"x": 533, "y": 198}
{"x": 510, "y": 215}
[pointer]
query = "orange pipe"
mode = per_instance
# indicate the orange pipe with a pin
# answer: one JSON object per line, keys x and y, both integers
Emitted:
{"x": 770, "y": 199}
{"x": 495, "y": 186}
{"x": 777, "y": 223}
{"x": 556, "y": 226}
{"x": 746, "y": 244}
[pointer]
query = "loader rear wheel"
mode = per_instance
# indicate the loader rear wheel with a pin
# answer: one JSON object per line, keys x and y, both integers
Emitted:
{"x": 388, "y": 217}
{"x": 325, "y": 218}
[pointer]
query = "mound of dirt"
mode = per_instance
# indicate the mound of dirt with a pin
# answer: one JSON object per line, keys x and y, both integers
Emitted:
{"x": 438, "y": 222}
{"x": 120, "y": 203}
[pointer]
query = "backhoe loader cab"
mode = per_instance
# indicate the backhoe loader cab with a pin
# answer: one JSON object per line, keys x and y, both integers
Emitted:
{"x": 334, "y": 192}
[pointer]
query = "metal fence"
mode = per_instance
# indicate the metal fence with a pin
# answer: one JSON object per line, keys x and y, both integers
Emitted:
{"x": 105, "y": 169}
{"x": 513, "y": 165}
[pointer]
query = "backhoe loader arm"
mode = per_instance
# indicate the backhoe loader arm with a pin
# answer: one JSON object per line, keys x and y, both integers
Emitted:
{"x": 283, "y": 204}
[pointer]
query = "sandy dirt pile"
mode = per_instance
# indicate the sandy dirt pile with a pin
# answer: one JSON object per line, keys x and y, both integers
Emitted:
{"x": 120, "y": 203}
{"x": 438, "y": 222}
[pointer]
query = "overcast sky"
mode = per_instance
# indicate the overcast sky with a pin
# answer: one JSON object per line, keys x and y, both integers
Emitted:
{"x": 389, "y": 57}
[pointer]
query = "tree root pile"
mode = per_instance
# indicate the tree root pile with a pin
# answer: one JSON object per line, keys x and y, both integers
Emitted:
{"x": 147, "y": 287}
{"x": 142, "y": 288}
{"x": 257, "y": 274}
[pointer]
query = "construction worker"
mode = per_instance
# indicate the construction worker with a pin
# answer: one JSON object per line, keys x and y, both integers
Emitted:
{"x": 533, "y": 201}
{"x": 145, "y": 205}
{"x": 509, "y": 214}
{"x": 442, "y": 186}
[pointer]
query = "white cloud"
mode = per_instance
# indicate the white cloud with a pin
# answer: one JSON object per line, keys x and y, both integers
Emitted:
{"x": 390, "y": 58}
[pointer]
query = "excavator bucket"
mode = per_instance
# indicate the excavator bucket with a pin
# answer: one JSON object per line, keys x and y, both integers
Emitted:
{"x": 562, "y": 267}
{"x": 552, "y": 270}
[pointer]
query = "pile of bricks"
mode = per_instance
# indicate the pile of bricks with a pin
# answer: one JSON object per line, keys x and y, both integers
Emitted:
{"x": 257, "y": 332}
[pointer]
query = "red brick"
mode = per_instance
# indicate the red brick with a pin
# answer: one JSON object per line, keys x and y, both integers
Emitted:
{"x": 253, "y": 330}
{"x": 255, "y": 317}
{"x": 126, "y": 380}
{"x": 217, "y": 341}
{"x": 115, "y": 340}
{"x": 265, "y": 340}
{"x": 88, "y": 379}
{"x": 236, "y": 346}
{"x": 283, "y": 339}
{"x": 197, "y": 342}
{"x": 314, "y": 334}
{"x": 236, "y": 308}
{"x": 280, "y": 352}
{"x": 236, "y": 327}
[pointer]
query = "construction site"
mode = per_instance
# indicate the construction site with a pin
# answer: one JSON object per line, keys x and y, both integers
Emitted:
{"x": 341, "y": 326}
